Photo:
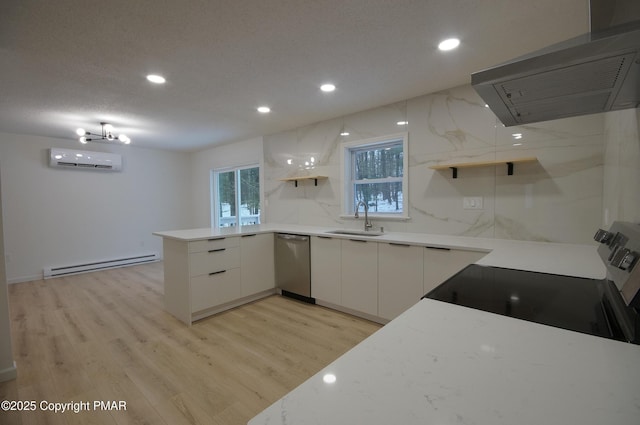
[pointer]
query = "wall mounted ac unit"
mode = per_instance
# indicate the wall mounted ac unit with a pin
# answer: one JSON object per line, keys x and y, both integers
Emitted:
{"x": 71, "y": 158}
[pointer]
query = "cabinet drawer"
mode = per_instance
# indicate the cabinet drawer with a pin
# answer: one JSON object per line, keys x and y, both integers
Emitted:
{"x": 214, "y": 260}
{"x": 211, "y": 290}
{"x": 213, "y": 243}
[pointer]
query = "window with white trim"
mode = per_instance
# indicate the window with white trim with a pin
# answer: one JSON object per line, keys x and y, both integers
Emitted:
{"x": 236, "y": 196}
{"x": 375, "y": 172}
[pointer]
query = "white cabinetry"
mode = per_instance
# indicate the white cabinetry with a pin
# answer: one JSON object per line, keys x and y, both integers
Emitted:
{"x": 257, "y": 266}
{"x": 214, "y": 271}
{"x": 326, "y": 259}
{"x": 359, "y": 276}
{"x": 206, "y": 276}
{"x": 400, "y": 280}
{"x": 442, "y": 263}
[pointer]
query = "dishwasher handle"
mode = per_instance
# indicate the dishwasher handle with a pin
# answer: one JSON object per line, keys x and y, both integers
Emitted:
{"x": 288, "y": 237}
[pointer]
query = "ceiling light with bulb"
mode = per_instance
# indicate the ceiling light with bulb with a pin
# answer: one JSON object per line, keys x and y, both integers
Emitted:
{"x": 106, "y": 135}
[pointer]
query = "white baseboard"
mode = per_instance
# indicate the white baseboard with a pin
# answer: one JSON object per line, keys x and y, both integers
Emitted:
{"x": 9, "y": 373}
{"x": 24, "y": 278}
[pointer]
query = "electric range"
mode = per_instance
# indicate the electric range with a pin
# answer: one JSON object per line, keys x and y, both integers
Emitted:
{"x": 607, "y": 308}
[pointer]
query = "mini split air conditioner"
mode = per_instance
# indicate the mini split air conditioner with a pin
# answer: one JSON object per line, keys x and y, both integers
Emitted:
{"x": 71, "y": 158}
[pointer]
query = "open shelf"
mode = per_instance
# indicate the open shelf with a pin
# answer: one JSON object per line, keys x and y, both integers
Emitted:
{"x": 295, "y": 179}
{"x": 509, "y": 163}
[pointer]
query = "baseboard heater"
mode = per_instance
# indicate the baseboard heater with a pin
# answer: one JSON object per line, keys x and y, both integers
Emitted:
{"x": 50, "y": 272}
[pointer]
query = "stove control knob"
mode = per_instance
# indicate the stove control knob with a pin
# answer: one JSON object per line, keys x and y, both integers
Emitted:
{"x": 603, "y": 236}
{"x": 624, "y": 259}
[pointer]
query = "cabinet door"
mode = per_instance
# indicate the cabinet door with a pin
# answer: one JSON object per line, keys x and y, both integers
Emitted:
{"x": 212, "y": 290}
{"x": 257, "y": 267}
{"x": 400, "y": 279}
{"x": 325, "y": 269}
{"x": 441, "y": 264}
{"x": 359, "y": 276}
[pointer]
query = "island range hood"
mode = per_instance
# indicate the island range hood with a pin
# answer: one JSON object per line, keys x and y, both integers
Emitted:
{"x": 596, "y": 72}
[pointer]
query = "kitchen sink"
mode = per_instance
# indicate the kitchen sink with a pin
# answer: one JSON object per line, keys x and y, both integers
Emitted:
{"x": 355, "y": 232}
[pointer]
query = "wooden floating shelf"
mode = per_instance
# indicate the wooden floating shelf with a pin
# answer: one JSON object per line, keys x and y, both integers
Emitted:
{"x": 508, "y": 162}
{"x": 295, "y": 179}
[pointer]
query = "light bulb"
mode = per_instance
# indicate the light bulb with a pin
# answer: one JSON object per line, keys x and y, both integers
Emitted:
{"x": 264, "y": 109}
{"x": 158, "y": 79}
{"x": 124, "y": 139}
{"x": 108, "y": 127}
{"x": 449, "y": 44}
{"x": 327, "y": 88}
{"x": 80, "y": 132}
{"x": 83, "y": 140}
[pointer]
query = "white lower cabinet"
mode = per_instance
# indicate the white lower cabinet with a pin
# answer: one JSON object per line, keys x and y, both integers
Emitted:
{"x": 440, "y": 264}
{"x": 207, "y": 276}
{"x": 257, "y": 263}
{"x": 359, "y": 276}
{"x": 214, "y": 271}
{"x": 214, "y": 289}
{"x": 326, "y": 259}
{"x": 400, "y": 278}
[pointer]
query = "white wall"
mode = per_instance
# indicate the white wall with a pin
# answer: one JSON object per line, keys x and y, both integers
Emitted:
{"x": 56, "y": 217}
{"x": 7, "y": 365}
{"x": 558, "y": 198}
{"x": 232, "y": 155}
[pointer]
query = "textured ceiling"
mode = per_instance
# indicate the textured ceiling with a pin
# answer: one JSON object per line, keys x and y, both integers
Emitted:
{"x": 73, "y": 63}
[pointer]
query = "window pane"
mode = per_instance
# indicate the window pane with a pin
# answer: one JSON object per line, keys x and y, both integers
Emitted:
{"x": 378, "y": 162}
{"x": 227, "y": 199}
{"x": 380, "y": 197}
{"x": 250, "y": 196}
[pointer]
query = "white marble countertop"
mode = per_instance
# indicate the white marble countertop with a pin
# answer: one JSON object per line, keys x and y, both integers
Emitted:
{"x": 556, "y": 258}
{"x": 443, "y": 364}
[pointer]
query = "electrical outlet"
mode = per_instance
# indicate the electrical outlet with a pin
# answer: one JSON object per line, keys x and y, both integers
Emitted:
{"x": 472, "y": 202}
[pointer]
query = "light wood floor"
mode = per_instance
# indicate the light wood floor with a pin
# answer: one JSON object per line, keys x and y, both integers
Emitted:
{"x": 105, "y": 336}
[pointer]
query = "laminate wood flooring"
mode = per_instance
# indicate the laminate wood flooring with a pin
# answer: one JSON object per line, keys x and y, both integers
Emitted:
{"x": 104, "y": 336}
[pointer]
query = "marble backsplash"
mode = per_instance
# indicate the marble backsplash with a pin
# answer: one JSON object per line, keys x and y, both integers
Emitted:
{"x": 558, "y": 198}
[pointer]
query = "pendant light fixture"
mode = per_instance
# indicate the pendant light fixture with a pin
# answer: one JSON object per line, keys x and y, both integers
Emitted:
{"x": 105, "y": 136}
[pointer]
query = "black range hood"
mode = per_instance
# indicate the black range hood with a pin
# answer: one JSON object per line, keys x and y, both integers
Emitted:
{"x": 592, "y": 73}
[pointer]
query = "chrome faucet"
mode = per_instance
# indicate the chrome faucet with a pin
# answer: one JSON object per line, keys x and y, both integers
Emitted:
{"x": 367, "y": 223}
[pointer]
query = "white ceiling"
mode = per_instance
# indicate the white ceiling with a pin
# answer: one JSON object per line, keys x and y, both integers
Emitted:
{"x": 73, "y": 63}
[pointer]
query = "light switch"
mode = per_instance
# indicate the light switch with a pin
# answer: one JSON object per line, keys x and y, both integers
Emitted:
{"x": 472, "y": 202}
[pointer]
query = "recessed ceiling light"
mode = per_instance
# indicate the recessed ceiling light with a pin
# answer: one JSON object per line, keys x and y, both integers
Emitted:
{"x": 344, "y": 133}
{"x": 327, "y": 87}
{"x": 264, "y": 109}
{"x": 449, "y": 44}
{"x": 157, "y": 79}
{"x": 402, "y": 122}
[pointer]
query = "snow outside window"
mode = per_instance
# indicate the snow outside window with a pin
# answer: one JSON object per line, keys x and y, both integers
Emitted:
{"x": 236, "y": 196}
{"x": 375, "y": 172}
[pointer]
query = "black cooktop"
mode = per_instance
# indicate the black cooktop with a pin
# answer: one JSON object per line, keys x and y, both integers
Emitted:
{"x": 566, "y": 302}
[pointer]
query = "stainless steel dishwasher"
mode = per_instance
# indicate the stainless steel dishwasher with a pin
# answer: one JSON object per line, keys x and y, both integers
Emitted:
{"x": 293, "y": 266}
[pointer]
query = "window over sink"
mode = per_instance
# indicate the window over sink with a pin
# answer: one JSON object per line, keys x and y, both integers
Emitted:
{"x": 375, "y": 172}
